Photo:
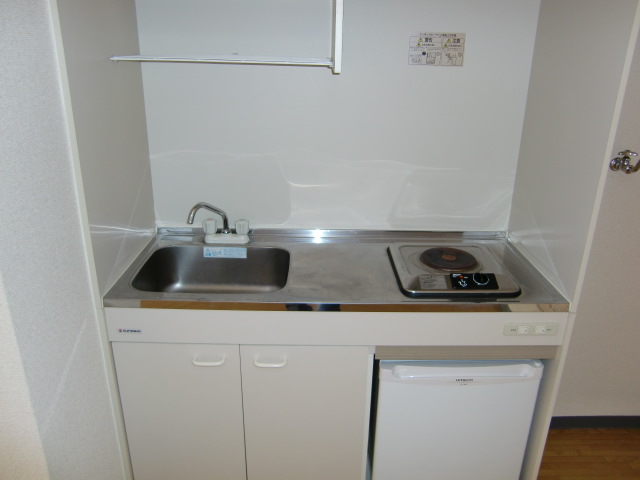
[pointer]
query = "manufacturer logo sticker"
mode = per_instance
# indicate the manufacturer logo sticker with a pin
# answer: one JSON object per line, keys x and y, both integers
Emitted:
{"x": 129, "y": 330}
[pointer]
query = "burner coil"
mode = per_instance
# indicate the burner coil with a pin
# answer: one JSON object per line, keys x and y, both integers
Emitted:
{"x": 448, "y": 259}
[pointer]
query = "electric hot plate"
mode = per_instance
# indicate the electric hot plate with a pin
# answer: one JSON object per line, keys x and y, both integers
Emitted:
{"x": 451, "y": 271}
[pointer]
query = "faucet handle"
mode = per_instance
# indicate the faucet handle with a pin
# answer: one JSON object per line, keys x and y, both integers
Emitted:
{"x": 210, "y": 229}
{"x": 209, "y": 226}
{"x": 242, "y": 226}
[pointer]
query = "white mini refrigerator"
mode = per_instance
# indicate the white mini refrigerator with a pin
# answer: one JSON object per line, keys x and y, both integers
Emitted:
{"x": 453, "y": 420}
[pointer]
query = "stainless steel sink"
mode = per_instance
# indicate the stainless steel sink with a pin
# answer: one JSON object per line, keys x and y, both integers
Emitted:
{"x": 187, "y": 269}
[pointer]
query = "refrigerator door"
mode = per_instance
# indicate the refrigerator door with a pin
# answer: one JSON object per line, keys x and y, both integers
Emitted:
{"x": 453, "y": 420}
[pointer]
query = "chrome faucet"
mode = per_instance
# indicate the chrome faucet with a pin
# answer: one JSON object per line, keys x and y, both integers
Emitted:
{"x": 198, "y": 206}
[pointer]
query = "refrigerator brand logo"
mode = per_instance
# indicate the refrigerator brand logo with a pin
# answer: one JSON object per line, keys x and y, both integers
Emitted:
{"x": 464, "y": 380}
{"x": 129, "y": 330}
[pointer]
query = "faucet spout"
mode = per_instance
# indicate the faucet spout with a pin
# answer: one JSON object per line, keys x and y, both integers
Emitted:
{"x": 198, "y": 206}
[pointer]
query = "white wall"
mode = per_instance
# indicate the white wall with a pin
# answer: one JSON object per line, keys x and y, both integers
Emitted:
{"x": 21, "y": 453}
{"x": 44, "y": 265}
{"x": 567, "y": 132}
{"x": 384, "y": 145}
{"x": 105, "y": 104}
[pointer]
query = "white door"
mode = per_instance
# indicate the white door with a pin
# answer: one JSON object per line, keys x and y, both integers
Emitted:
{"x": 306, "y": 411}
{"x": 182, "y": 406}
{"x": 603, "y": 354}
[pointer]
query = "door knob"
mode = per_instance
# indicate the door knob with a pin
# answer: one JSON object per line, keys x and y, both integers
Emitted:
{"x": 623, "y": 162}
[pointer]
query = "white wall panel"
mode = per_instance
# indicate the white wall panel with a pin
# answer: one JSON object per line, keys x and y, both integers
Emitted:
{"x": 383, "y": 145}
{"x": 571, "y": 107}
{"x": 43, "y": 261}
{"x": 109, "y": 136}
{"x": 21, "y": 453}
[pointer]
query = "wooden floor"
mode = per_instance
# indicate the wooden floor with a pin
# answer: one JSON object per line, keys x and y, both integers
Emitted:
{"x": 591, "y": 454}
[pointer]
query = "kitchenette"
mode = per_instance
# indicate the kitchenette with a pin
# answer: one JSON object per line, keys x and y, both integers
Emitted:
{"x": 383, "y": 188}
{"x": 264, "y": 376}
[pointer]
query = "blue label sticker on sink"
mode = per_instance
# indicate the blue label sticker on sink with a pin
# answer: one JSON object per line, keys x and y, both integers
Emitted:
{"x": 224, "y": 252}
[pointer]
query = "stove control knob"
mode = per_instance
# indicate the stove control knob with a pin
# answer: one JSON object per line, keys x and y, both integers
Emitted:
{"x": 481, "y": 278}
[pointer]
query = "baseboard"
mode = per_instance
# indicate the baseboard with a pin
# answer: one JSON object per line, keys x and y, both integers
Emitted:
{"x": 596, "y": 422}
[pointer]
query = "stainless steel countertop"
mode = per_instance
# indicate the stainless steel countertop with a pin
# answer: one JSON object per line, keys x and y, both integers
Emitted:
{"x": 339, "y": 270}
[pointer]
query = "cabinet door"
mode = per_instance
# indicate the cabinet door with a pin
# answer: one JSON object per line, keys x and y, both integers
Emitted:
{"x": 182, "y": 408}
{"x": 306, "y": 411}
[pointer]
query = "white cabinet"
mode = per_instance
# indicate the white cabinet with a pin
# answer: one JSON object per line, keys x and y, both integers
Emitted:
{"x": 182, "y": 407}
{"x": 190, "y": 409}
{"x": 305, "y": 411}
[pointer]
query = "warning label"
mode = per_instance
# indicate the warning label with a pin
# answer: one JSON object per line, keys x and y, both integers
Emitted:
{"x": 437, "y": 49}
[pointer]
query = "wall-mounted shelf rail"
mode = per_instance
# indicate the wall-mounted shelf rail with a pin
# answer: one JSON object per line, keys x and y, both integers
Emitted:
{"x": 243, "y": 59}
{"x": 335, "y": 62}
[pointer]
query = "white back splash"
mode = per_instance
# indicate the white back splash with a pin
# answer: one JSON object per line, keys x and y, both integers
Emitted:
{"x": 384, "y": 145}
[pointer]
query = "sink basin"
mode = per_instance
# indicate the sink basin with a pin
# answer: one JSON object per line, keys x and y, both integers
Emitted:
{"x": 186, "y": 269}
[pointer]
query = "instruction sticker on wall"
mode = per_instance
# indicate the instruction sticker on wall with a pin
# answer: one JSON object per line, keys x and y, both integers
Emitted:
{"x": 437, "y": 49}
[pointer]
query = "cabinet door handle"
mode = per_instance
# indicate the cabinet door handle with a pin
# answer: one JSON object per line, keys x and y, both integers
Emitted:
{"x": 269, "y": 364}
{"x": 214, "y": 363}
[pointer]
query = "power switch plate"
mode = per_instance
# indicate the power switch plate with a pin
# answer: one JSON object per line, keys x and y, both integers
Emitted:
{"x": 530, "y": 329}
